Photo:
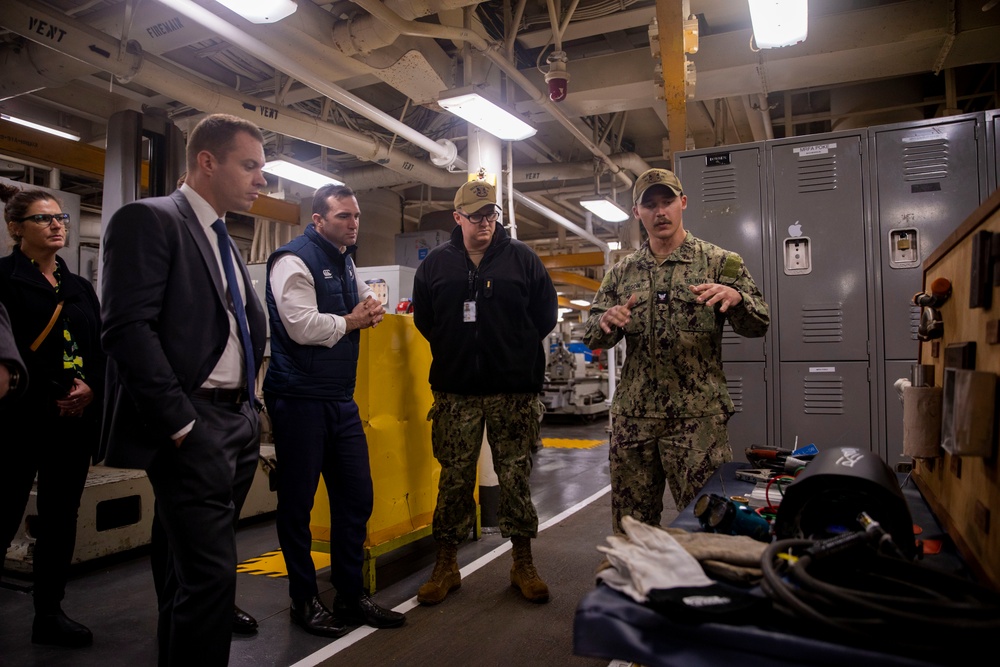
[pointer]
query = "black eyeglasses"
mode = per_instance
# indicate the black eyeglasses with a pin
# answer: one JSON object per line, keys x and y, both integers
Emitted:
{"x": 45, "y": 219}
{"x": 480, "y": 218}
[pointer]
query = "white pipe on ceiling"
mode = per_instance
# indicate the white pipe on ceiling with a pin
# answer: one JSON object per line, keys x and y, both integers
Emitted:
{"x": 492, "y": 52}
{"x": 96, "y": 48}
{"x": 443, "y": 149}
{"x": 561, "y": 221}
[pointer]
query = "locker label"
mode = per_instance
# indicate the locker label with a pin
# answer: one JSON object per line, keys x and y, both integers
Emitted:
{"x": 925, "y": 187}
{"x": 718, "y": 159}
{"x": 822, "y": 369}
{"x": 819, "y": 149}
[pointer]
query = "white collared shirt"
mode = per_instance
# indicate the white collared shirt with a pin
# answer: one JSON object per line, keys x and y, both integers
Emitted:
{"x": 228, "y": 372}
{"x": 294, "y": 293}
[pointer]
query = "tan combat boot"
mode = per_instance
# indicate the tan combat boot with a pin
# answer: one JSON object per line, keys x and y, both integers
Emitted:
{"x": 523, "y": 574}
{"x": 444, "y": 579}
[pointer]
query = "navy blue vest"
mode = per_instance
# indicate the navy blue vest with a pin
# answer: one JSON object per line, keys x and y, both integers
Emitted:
{"x": 315, "y": 371}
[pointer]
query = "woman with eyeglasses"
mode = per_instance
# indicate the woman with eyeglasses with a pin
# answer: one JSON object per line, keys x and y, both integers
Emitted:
{"x": 51, "y": 429}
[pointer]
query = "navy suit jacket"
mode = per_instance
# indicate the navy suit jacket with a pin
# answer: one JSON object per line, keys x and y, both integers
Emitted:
{"x": 165, "y": 324}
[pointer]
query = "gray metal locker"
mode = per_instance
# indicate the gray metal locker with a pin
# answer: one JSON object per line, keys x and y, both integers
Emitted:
{"x": 725, "y": 207}
{"x": 817, "y": 207}
{"x": 818, "y": 211}
{"x": 823, "y": 404}
{"x": 725, "y": 191}
{"x": 927, "y": 177}
{"x": 992, "y": 150}
{"x": 748, "y": 389}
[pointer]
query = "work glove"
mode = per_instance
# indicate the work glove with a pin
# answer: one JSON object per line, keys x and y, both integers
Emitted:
{"x": 646, "y": 558}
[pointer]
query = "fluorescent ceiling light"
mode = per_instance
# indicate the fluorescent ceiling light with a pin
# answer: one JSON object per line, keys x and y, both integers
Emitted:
{"x": 485, "y": 114}
{"x": 583, "y": 303}
{"x": 293, "y": 170}
{"x": 261, "y": 11}
{"x": 614, "y": 245}
{"x": 35, "y": 126}
{"x": 605, "y": 208}
{"x": 779, "y": 22}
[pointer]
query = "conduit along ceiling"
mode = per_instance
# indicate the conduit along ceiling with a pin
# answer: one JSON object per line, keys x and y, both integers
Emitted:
{"x": 352, "y": 87}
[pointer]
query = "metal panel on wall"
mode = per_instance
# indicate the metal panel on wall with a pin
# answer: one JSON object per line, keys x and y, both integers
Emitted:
{"x": 725, "y": 207}
{"x": 992, "y": 150}
{"x": 818, "y": 215}
{"x": 823, "y": 404}
{"x": 927, "y": 176}
{"x": 748, "y": 389}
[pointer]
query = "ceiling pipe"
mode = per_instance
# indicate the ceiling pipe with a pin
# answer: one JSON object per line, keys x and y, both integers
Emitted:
{"x": 561, "y": 221}
{"x": 492, "y": 52}
{"x": 560, "y": 171}
{"x": 100, "y": 50}
{"x": 443, "y": 150}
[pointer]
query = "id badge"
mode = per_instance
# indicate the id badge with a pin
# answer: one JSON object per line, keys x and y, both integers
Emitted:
{"x": 469, "y": 311}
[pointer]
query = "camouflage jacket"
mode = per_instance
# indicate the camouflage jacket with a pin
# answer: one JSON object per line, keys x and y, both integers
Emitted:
{"x": 673, "y": 362}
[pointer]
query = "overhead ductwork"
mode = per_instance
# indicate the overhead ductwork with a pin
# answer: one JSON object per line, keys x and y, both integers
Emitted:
{"x": 102, "y": 51}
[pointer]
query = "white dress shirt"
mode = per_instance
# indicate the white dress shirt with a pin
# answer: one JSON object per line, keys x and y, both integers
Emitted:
{"x": 228, "y": 372}
{"x": 294, "y": 293}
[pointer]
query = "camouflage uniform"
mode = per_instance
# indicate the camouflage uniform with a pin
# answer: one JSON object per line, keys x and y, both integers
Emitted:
{"x": 671, "y": 406}
{"x": 457, "y": 435}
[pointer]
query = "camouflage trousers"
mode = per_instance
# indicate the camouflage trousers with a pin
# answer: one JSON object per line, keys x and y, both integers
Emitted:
{"x": 646, "y": 454}
{"x": 511, "y": 422}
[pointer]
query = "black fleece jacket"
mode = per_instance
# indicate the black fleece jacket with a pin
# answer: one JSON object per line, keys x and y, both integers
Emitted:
{"x": 515, "y": 308}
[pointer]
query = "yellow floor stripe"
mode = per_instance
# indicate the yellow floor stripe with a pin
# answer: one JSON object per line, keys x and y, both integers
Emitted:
{"x": 272, "y": 564}
{"x": 571, "y": 443}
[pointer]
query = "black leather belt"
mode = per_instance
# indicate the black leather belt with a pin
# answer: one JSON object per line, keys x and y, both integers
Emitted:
{"x": 221, "y": 396}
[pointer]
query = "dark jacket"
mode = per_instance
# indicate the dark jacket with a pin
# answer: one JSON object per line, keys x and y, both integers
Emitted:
{"x": 315, "y": 371}
{"x": 30, "y": 301}
{"x": 516, "y": 307}
{"x": 9, "y": 354}
{"x": 165, "y": 323}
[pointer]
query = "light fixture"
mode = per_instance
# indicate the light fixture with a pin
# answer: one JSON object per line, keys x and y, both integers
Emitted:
{"x": 475, "y": 107}
{"x": 605, "y": 208}
{"x": 583, "y": 303}
{"x": 261, "y": 11}
{"x": 35, "y": 126}
{"x": 779, "y": 23}
{"x": 293, "y": 170}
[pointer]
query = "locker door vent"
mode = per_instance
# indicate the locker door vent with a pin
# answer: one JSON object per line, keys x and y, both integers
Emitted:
{"x": 730, "y": 337}
{"x": 719, "y": 185}
{"x": 735, "y": 385}
{"x": 817, "y": 174}
{"x": 823, "y": 323}
{"x": 926, "y": 162}
{"x": 914, "y": 321}
{"x": 823, "y": 395}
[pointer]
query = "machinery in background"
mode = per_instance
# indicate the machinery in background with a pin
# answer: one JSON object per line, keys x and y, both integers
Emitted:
{"x": 576, "y": 381}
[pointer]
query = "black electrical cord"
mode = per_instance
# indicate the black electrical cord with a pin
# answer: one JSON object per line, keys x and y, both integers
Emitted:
{"x": 846, "y": 585}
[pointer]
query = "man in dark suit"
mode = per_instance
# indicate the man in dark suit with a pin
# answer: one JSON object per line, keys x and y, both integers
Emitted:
{"x": 13, "y": 378}
{"x": 183, "y": 356}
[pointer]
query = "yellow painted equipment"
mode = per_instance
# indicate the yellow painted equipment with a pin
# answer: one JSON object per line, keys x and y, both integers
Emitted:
{"x": 394, "y": 397}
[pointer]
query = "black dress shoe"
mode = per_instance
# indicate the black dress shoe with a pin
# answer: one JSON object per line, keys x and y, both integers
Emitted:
{"x": 243, "y": 623}
{"x": 57, "y": 629}
{"x": 314, "y": 618}
{"x": 364, "y": 611}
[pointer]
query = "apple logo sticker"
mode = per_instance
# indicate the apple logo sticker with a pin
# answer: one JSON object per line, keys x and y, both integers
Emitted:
{"x": 795, "y": 230}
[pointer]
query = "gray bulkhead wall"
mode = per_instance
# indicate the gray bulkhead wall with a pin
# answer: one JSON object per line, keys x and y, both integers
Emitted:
{"x": 835, "y": 272}
{"x": 725, "y": 190}
{"x": 927, "y": 177}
